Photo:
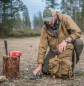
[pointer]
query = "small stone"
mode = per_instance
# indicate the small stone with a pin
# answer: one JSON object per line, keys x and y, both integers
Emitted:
{"x": 31, "y": 46}
{"x": 12, "y": 85}
{"x": 55, "y": 81}
{"x": 27, "y": 69}
{"x": 26, "y": 76}
{"x": 19, "y": 84}
{"x": 2, "y": 78}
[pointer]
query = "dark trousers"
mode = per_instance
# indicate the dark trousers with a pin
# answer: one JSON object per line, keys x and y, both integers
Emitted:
{"x": 78, "y": 46}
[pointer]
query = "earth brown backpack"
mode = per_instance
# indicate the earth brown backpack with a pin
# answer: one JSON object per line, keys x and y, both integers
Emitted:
{"x": 61, "y": 67}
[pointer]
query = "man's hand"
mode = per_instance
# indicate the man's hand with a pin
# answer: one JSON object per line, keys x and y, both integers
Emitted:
{"x": 38, "y": 70}
{"x": 62, "y": 46}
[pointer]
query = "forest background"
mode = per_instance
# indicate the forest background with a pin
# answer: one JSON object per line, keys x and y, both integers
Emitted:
{"x": 15, "y": 18}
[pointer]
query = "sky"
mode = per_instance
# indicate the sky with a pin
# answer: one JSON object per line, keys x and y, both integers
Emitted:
{"x": 34, "y": 6}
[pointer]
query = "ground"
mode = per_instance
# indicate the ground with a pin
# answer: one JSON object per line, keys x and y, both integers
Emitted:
{"x": 28, "y": 62}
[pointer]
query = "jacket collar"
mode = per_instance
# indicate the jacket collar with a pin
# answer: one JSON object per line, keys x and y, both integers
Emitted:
{"x": 59, "y": 15}
{"x": 50, "y": 32}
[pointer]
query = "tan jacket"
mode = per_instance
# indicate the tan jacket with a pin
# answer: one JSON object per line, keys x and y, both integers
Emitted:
{"x": 67, "y": 29}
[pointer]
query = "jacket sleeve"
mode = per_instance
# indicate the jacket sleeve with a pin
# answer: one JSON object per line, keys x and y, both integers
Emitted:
{"x": 42, "y": 46}
{"x": 74, "y": 29}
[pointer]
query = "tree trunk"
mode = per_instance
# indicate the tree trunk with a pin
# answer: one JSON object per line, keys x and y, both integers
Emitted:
{"x": 11, "y": 66}
{"x": 67, "y": 6}
{"x": 79, "y": 5}
{"x": 75, "y": 10}
{"x": 11, "y": 8}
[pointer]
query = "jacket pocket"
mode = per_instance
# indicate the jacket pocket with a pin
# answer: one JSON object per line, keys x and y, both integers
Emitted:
{"x": 52, "y": 42}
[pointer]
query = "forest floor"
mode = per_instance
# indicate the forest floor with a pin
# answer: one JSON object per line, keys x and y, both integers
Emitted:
{"x": 28, "y": 62}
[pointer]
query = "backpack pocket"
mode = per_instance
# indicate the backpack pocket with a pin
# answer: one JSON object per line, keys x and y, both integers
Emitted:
{"x": 53, "y": 65}
{"x": 65, "y": 68}
{"x": 60, "y": 67}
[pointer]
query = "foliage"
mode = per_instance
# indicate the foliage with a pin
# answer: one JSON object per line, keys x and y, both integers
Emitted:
{"x": 75, "y": 9}
{"x": 5, "y": 1}
{"x": 20, "y": 33}
{"x": 38, "y": 21}
{"x": 51, "y": 3}
{"x": 9, "y": 9}
{"x": 18, "y": 22}
{"x": 10, "y": 16}
{"x": 26, "y": 19}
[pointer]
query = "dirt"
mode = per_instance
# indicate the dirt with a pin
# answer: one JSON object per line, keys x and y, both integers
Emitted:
{"x": 28, "y": 62}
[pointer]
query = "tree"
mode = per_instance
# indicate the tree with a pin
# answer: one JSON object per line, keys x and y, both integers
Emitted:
{"x": 18, "y": 22}
{"x": 5, "y": 1}
{"x": 51, "y": 3}
{"x": 35, "y": 21}
{"x": 75, "y": 10}
{"x": 9, "y": 10}
{"x": 26, "y": 19}
{"x": 63, "y": 6}
{"x": 38, "y": 21}
{"x": 82, "y": 15}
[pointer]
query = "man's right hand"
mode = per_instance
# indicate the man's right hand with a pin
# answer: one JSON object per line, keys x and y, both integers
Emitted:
{"x": 38, "y": 70}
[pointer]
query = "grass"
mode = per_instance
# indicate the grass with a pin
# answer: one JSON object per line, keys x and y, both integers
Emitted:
{"x": 28, "y": 30}
{"x": 5, "y": 83}
{"x": 80, "y": 73}
{"x": 26, "y": 33}
{"x": 75, "y": 85}
{"x": 22, "y": 33}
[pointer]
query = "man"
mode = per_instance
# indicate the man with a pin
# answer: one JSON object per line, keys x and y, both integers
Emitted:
{"x": 58, "y": 31}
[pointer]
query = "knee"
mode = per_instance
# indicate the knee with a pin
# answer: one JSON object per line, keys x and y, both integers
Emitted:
{"x": 43, "y": 70}
{"x": 78, "y": 42}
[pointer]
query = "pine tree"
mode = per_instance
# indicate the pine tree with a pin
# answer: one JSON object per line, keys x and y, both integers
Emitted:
{"x": 40, "y": 19}
{"x": 26, "y": 19}
{"x": 82, "y": 15}
{"x": 9, "y": 10}
{"x": 18, "y": 22}
{"x": 63, "y": 7}
{"x": 35, "y": 21}
{"x": 52, "y": 3}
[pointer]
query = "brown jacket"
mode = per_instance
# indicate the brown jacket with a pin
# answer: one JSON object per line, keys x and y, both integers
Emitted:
{"x": 67, "y": 29}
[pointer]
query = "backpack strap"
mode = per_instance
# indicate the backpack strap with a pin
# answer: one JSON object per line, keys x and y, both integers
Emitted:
{"x": 60, "y": 67}
{"x": 74, "y": 63}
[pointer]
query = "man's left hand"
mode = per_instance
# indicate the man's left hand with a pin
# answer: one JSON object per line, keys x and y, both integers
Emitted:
{"x": 62, "y": 46}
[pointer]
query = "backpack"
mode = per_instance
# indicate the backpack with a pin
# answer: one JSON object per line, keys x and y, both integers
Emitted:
{"x": 62, "y": 67}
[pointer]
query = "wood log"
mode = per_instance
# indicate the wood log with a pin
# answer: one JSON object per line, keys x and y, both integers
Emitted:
{"x": 11, "y": 67}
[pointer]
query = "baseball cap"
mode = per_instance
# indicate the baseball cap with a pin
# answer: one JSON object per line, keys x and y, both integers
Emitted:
{"x": 48, "y": 14}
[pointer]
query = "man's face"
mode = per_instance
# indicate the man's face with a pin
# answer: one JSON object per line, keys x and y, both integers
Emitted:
{"x": 51, "y": 23}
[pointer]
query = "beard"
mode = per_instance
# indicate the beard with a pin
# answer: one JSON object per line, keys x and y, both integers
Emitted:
{"x": 51, "y": 25}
